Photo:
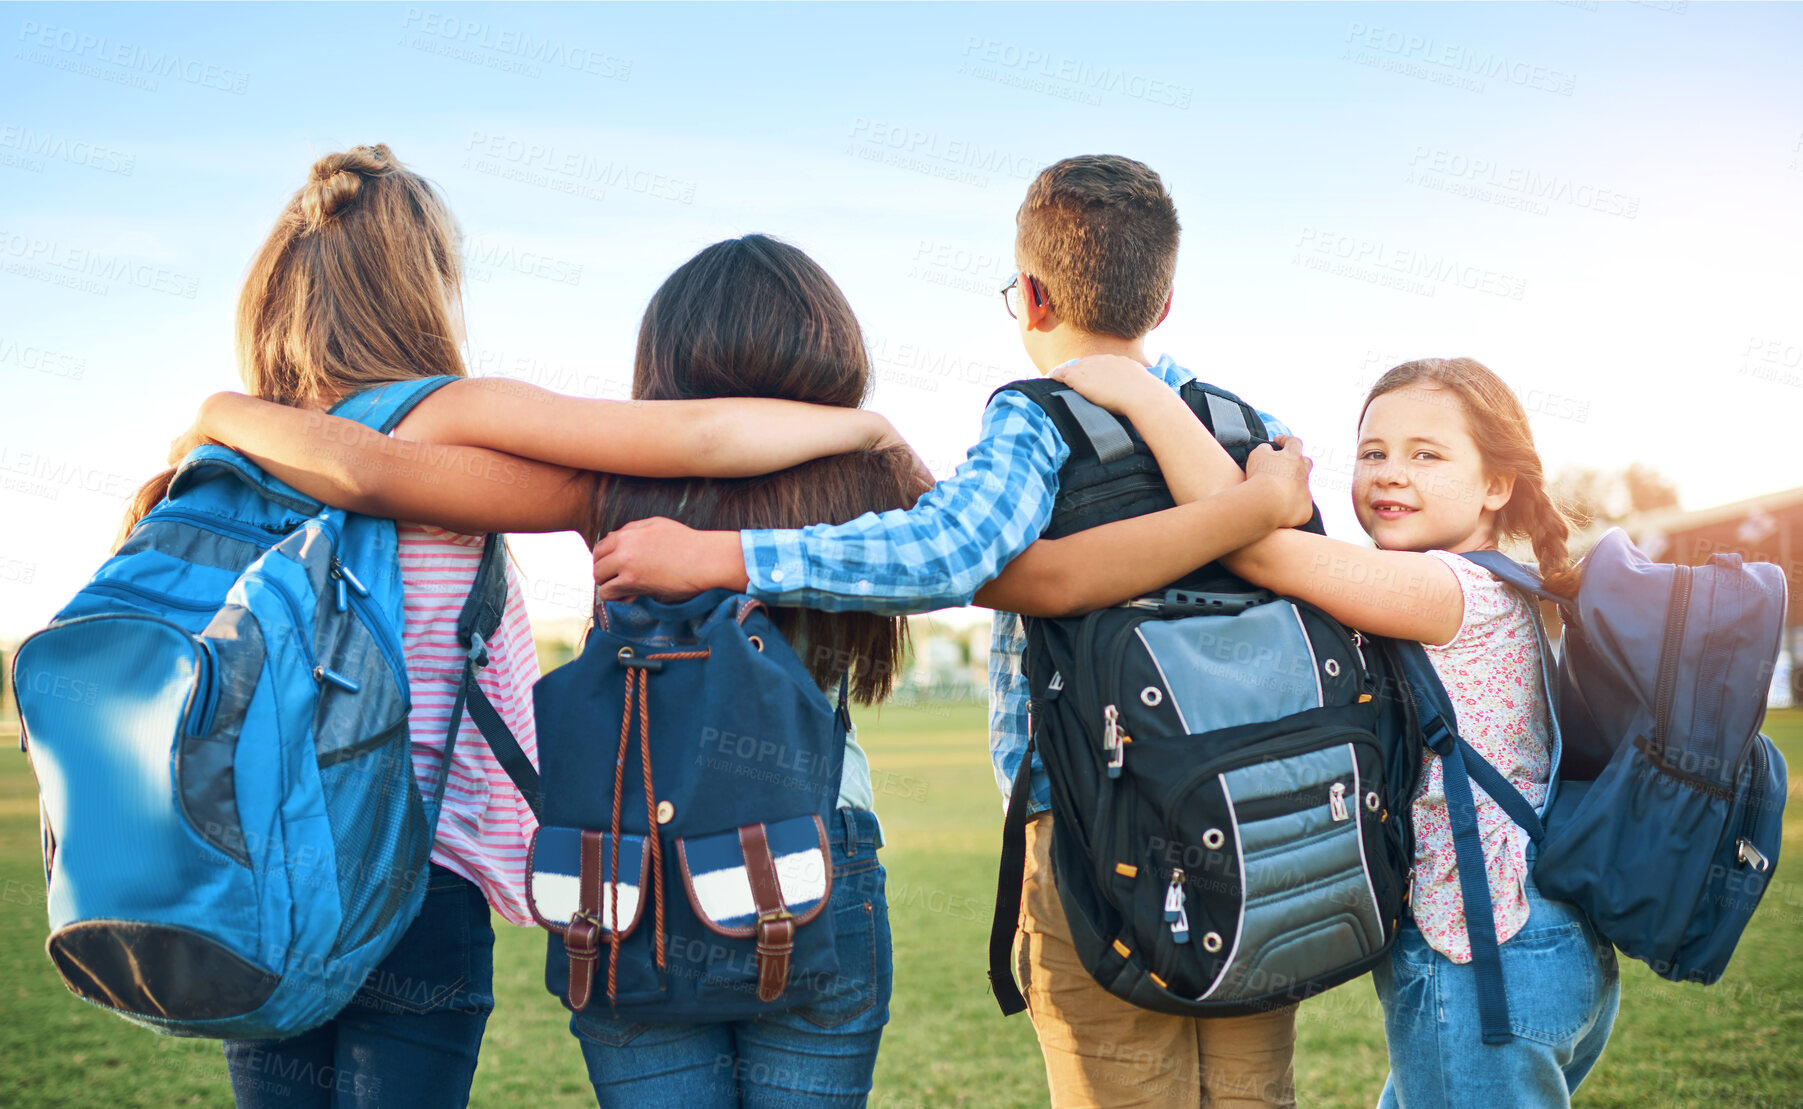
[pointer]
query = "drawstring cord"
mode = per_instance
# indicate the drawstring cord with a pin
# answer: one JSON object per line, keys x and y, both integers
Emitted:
{"x": 642, "y": 673}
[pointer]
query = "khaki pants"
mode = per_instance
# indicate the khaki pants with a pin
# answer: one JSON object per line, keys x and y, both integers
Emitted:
{"x": 1100, "y": 1051}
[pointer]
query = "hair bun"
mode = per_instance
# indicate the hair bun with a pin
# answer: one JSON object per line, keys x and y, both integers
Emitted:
{"x": 336, "y": 180}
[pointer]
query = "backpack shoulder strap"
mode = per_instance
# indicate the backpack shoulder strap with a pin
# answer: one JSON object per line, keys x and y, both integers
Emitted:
{"x": 1461, "y": 764}
{"x": 1084, "y": 426}
{"x": 1520, "y": 577}
{"x": 1439, "y": 731}
{"x": 1088, "y": 426}
{"x": 1011, "y": 873}
{"x": 476, "y": 625}
{"x": 381, "y": 407}
{"x": 1235, "y": 424}
{"x": 384, "y": 406}
{"x": 1514, "y": 573}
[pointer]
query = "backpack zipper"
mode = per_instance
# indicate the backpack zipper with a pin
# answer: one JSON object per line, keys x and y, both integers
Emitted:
{"x": 342, "y": 578}
{"x": 1176, "y": 913}
{"x": 1331, "y": 794}
{"x": 1117, "y": 654}
{"x": 264, "y": 538}
{"x": 125, "y": 588}
{"x": 1744, "y": 850}
{"x": 1103, "y": 492}
{"x": 1667, "y": 688}
{"x": 209, "y": 702}
{"x": 1322, "y": 738}
{"x": 303, "y": 634}
{"x": 1114, "y": 740}
{"x": 1747, "y": 853}
{"x": 357, "y": 594}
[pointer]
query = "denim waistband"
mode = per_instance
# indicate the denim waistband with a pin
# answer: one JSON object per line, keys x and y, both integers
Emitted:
{"x": 854, "y": 832}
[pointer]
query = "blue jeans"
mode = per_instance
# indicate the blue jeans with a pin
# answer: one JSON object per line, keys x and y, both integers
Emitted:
{"x": 817, "y": 1055}
{"x": 408, "y": 1037}
{"x": 1563, "y": 987}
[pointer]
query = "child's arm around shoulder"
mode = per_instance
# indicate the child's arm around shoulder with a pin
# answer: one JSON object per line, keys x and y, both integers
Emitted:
{"x": 357, "y": 468}
{"x": 715, "y": 437}
{"x": 1115, "y": 562}
{"x": 1194, "y": 464}
{"x": 1401, "y": 594}
{"x": 1219, "y": 510}
{"x": 955, "y": 538}
{"x": 500, "y": 455}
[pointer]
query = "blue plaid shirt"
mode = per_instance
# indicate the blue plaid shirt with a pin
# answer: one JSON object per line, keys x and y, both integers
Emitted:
{"x": 954, "y": 541}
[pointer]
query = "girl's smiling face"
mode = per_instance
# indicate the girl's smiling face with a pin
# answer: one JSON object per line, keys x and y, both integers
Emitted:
{"x": 1420, "y": 482}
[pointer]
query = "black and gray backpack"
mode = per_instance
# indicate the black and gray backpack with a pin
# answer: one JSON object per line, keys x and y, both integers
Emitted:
{"x": 1230, "y": 770}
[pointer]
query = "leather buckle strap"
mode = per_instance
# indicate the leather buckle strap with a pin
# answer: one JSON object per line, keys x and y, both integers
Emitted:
{"x": 582, "y": 946}
{"x": 776, "y": 941}
{"x": 582, "y": 938}
{"x": 776, "y": 924}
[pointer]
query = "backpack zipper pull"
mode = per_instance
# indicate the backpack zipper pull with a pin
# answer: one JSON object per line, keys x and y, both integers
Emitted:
{"x": 343, "y": 573}
{"x": 1175, "y": 913}
{"x": 1113, "y": 740}
{"x": 323, "y": 674}
{"x": 1753, "y": 856}
{"x": 1336, "y": 801}
{"x": 340, "y": 575}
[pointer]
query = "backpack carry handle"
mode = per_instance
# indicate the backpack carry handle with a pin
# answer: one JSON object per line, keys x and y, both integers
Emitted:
{"x": 1191, "y": 602}
{"x": 209, "y": 459}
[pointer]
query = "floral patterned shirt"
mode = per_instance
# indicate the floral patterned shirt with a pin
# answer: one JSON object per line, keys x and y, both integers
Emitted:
{"x": 1491, "y": 671}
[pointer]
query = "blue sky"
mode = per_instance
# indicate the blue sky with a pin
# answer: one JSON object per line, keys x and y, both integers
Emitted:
{"x": 1604, "y": 202}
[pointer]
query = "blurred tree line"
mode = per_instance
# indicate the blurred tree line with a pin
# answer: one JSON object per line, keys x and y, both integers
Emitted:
{"x": 1603, "y": 498}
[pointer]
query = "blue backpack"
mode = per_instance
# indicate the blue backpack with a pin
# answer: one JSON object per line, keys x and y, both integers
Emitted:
{"x": 232, "y": 832}
{"x": 1663, "y": 817}
{"x": 690, "y": 764}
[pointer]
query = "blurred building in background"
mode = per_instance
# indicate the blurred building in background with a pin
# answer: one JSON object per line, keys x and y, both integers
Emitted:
{"x": 1767, "y": 528}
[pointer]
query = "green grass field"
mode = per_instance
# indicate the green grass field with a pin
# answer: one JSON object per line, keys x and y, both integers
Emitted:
{"x": 1735, "y": 1045}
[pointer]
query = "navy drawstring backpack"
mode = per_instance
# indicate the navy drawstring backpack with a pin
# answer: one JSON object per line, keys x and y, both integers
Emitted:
{"x": 689, "y": 767}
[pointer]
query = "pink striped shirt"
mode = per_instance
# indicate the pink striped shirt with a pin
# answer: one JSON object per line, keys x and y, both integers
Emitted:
{"x": 485, "y": 826}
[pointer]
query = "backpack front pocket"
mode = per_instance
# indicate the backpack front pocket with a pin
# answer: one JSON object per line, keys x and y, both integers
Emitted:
{"x": 762, "y": 891}
{"x": 1271, "y": 874}
{"x": 571, "y": 885}
{"x": 118, "y": 710}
